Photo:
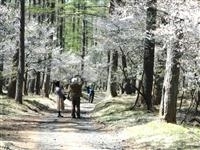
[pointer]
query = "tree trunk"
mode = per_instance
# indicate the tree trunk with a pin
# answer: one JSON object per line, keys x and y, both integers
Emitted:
{"x": 158, "y": 89}
{"x": 62, "y": 36}
{"x": 77, "y": 27}
{"x": 109, "y": 73}
{"x": 25, "y": 83}
{"x": 29, "y": 12}
{"x": 47, "y": 77}
{"x": 20, "y": 72}
{"x": 171, "y": 82}
{"x": 32, "y": 82}
{"x": 47, "y": 6}
{"x": 39, "y": 15}
{"x": 12, "y": 81}
{"x": 124, "y": 66}
{"x": 113, "y": 81}
{"x": 53, "y": 18}
{"x": 46, "y": 85}
{"x": 62, "y": 26}
{"x": 159, "y": 76}
{"x": 32, "y": 85}
{"x": 1, "y": 73}
{"x": 34, "y": 6}
{"x": 197, "y": 99}
{"x": 42, "y": 80}
{"x": 43, "y": 15}
{"x": 37, "y": 86}
{"x": 83, "y": 46}
{"x": 149, "y": 47}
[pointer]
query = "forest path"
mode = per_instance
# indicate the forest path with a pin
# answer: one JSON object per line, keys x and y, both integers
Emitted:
{"x": 48, "y": 132}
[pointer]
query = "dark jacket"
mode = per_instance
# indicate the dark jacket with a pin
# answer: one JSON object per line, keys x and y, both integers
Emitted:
{"x": 75, "y": 90}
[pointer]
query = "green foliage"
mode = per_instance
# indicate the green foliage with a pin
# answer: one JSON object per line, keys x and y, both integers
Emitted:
{"x": 73, "y": 12}
{"x": 39, "y": 10}
{"x": 76, "y": 11}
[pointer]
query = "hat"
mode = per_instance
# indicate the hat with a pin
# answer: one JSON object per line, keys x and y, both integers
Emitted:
{"x": 74, "y": 80}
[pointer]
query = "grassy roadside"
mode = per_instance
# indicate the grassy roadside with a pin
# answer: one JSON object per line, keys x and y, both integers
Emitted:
{"x": 145, "y": 130}
{"x": 116, "y": 113}
{"x": 10, "y": 114}
{"x": 31, "y": 105}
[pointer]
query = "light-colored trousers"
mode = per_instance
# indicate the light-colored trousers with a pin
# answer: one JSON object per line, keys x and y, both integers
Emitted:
{"x": 60, "y": 104}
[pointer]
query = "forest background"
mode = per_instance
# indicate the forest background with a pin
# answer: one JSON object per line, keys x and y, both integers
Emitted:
{"x": 152, "y": 44}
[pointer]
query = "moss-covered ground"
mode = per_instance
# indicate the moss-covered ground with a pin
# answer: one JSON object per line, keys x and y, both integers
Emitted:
{"x": 144, "y": 129}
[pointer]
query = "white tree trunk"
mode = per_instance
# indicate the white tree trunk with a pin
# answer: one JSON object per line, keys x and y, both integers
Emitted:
{"x": 171, "y": 82}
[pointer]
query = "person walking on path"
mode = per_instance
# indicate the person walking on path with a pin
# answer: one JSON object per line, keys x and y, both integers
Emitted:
{"x": 59, "y": 96}
{"x": 91, "y": 94}
{"x": 75, "y": 93}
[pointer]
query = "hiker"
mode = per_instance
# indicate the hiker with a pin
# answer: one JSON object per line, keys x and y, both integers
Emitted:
{"x": 60, "y": 97}
{"x": 88, "y": 89}
{"x": 75, "y": 92}
{"x": 91, "y": 95}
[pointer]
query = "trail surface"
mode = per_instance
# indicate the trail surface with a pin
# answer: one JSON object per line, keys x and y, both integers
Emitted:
{"x": 48, "y": 132}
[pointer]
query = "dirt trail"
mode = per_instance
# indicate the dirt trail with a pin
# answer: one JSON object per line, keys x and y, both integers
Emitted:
{"x": 48, "y": 132}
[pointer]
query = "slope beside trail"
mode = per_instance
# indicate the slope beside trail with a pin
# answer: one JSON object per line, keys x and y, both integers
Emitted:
{"x": 48, "y": 132}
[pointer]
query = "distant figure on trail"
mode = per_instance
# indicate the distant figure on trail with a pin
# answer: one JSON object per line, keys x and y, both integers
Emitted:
{"x": 88, "y": 89}
{"x": 75, "y": 93}
{"x": 91, "y": 94}
{"x": 60, "y": 97}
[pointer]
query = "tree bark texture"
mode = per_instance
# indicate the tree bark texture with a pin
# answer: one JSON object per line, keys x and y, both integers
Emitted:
{"x": 20, "y": 72}
{"x": 12, "y": 81}
{"x": 171, "y": 82}
{"x": 32, "y": 85}
{"x": 37, "y": 86}
{"x": 25, "y": 83}
{"x": 47, "y": 77}
{"x": 83, "y": 45}
{"x": 113, "y": 81}
{"x": 47, "y": 84}
{"x": 149, "y": 46}
{"x": 1, "y": 73}
{"x": 159, "y": 76}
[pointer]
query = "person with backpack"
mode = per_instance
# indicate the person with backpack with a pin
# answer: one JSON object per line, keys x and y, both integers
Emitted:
{"x": 75, "y": 93}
